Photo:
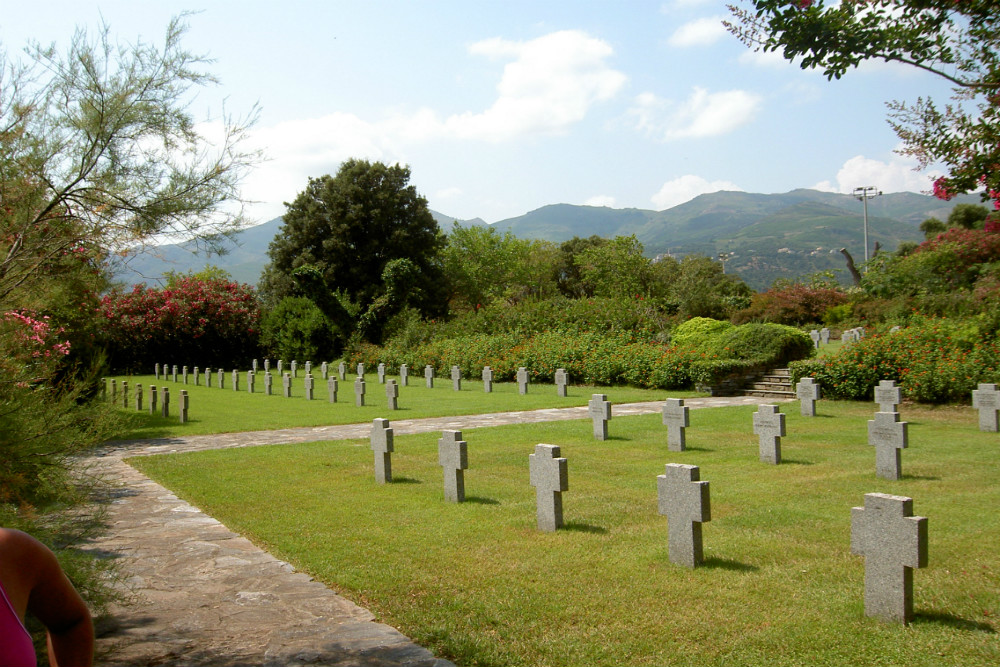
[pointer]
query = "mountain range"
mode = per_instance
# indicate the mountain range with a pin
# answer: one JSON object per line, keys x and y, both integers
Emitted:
{"x": 767, "y": 236}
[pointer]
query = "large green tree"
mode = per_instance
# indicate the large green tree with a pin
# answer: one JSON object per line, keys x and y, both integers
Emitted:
{"x": 958, "y": 40}
{"x": 340, "y": 234}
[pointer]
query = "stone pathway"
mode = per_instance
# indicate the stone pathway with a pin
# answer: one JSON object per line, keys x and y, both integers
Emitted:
{"x": 210, "y": 598}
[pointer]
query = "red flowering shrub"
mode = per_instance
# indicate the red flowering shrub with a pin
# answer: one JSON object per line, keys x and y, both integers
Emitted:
{"x": 795, "y": 305}
{"x": 198, "y": 322}
{"x": 934, "y": 361}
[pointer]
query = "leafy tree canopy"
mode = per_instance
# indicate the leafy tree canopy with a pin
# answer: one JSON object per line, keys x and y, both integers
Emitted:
{"x": 342, "y": 232}
{"x": 956, "y": 40}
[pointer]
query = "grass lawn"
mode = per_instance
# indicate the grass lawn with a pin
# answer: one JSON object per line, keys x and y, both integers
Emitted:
{"x": 214, "y": 410}
{"x": 478, "y": 584}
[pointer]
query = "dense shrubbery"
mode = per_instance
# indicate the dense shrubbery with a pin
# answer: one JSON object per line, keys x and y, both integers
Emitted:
{"x": 796, "y": 304}
{"x": 933, "y": 360}
{"x": 214, "y": 320}
{"x": 610, "y": 357}
{"x": 297, "y": 329}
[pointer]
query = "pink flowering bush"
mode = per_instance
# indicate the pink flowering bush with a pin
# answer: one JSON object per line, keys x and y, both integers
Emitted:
{"x": 198, "y": 322}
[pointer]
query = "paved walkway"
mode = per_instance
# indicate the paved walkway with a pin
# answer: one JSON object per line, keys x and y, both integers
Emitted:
{"x": 210, "y": 598}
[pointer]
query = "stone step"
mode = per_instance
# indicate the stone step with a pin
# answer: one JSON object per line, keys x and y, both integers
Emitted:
{"x": 766, "y": 393}
{"x": 771, "y": 386}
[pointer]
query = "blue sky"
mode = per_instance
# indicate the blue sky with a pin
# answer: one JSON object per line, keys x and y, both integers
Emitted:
{"x": 500, "y": 108}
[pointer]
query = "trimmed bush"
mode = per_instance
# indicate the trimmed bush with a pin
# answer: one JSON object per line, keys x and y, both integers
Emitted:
{"x": 699, "y": 332}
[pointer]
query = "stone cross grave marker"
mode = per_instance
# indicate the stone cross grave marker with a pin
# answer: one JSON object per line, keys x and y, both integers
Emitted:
{"x": 549, "y": 475}
{"x": 156, "y": 371}
{"x": 222, "y": 379}
{"x": 487, "y": 379}
{"x": 268, "y": 383}
{"x": 281, "y": 366}
{"x": 888, "y": 396}
{"x": 286, "y": 384}
{"x": 324, "y": 370}
{"x": 456, "y": 378}
{"x": 195, "y": 379}
{"x": 124, "y": 394}
{"x": 361, "y": 370}
{"x": 308, "y": 368}
{"x": 295, "y": 369}
{"x": 184, "y": 406}
{"x": 807, "y": 391}
{"x": 893, "y": 542}
{"x": 599, "y": 410}
{"x": 267, "y": 365}
{"x": 453, "y": 456}
{"x": 309, "y": 384}
{"x": 251, "y": 379}
{"x": 429, "y": 376}
{"x": 684, "y": 500}
{"x": 381, "y": 444}
{"x": 522, "y": 380}
{"x": 359, "y": 391}
{"x": 165, "y": 402}
{"x": 676, "y": 419}
{"x": 392, "y": 394}
{"x": 769, "y": 426}
{"x": 152, "y": 399}
{"x": 814, "y": 335}
{"x": 208, "y": 376}
{"x": 236, "y": 380}
{"x": 404, "y": 375}
{"x": 184, "y": 374}
{"x": 174, "y": 374}
{"x": 986, "y": 399}
{"x": 114, "y": 390}
{"x": 342, "y": 371}
{"x": 331, "y": 388}
{"x": 562, "y": 381}
{"x": 253, "y": 366}
{"x": 380, "y": 371}
{"x": 138, "y": 398}
{"x": 889, "y": 436}
{"x": 824, "y": 335}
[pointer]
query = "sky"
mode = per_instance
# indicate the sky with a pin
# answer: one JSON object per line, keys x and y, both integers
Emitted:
{"x": 502, "y": 107}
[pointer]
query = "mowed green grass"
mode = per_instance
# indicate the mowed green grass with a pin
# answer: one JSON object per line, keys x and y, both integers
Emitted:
{"x": 479, "y": 584}
{"x": 215, "y": 410}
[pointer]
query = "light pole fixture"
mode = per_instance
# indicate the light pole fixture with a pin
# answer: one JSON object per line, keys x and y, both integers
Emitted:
{"x": 864, "y": 194}
{"x": 725, "y": 257}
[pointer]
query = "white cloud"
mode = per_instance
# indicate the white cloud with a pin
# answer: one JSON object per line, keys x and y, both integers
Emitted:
{"x": 896, "y": 175}
{"x": 600, "y": 200}
{"x": 686, "y": 188}
{"x": 700, "y": 32}
{"x": 702, "y": 114}
{"x": 551, "y": 84}
{"x": 448, "y": 193}
{"x": 767, "y": 59}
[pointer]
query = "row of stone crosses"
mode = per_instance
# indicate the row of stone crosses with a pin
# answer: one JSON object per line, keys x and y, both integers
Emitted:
{"x": 884, "y": 531}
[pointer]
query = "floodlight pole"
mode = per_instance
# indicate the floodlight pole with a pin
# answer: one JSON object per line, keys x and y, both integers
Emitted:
{"x": 864, "y": 194}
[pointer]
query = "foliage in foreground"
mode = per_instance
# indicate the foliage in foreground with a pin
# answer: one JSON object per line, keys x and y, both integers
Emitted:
{"x": 934, "y": 361}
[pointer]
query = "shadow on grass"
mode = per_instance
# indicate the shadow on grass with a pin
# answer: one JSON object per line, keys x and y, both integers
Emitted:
{"x": 796, "y": 462}
{"x": 479, "y": 500}
{"x": 689, "y": 448}
{"x": 952, "y": 621}
{"x": 406, "y": 480}
{"x": 924, "y": 478}
{"x": 580, "y": 527}
{"x": 716, "y": 563}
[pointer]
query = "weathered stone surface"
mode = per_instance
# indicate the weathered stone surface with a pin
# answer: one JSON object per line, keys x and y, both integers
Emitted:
{"x": 599, "y": 410}
{"x": 986, "y": 399}
{"x": 487, "y": 379}
{"x": 893, "y": 542}
{"x": 392, "y": 394}
{"x": 676, "y": 418}
{"x": 453, "y": 456}
{"x": 562, "y": 382}
{"x": 685, "y": 502}
{"x": 888, "y": 396}
{"x": 888, "y": 436}
{"x": 807, "y": 391}
{"x": 769, "y": 426}
{"x": 522, "y": 380}
{"x": 381, "y": 444}
{"x": 549, "y": 475}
